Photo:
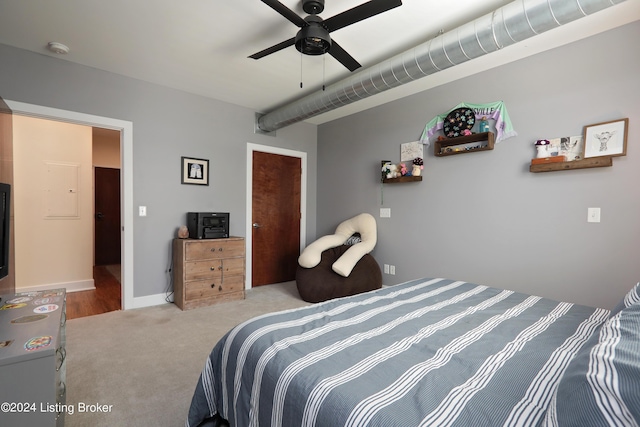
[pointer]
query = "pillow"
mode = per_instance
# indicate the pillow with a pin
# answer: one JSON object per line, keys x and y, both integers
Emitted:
{"x": 632, "y": 297}
{"x": 365, "y": 224}
{"x": 355, "y": 238}
{"x": 601, "y": 385}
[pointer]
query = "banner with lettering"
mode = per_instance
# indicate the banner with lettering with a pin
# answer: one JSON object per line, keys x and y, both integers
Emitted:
{"x": 494, "y": 111}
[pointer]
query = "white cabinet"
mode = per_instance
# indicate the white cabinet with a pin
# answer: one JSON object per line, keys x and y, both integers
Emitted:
{"x": 33, "y": 358}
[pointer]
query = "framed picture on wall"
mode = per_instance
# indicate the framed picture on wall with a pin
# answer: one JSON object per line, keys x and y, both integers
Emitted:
{"x": 571, "y": 147}
{"x": 606, "y": 139}
{"x": 410, "y": 150}
{"x": 195, "y": 171}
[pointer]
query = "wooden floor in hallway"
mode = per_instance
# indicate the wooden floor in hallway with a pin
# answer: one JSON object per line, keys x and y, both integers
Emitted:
{"x": 104, "y": 298}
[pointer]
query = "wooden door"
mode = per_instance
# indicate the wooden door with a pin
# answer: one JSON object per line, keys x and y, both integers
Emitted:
{"x": 276, "y": 218}
{"x": 107, "y": 216}
{"x": 7, "y": 285}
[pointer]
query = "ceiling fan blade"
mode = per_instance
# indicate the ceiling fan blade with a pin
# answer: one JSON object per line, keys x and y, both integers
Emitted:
{"x": 343, "y": 57}
{"x": 274, "y": 48}
{"x": 359, "y": 13}
{"x": 286, "y": 12}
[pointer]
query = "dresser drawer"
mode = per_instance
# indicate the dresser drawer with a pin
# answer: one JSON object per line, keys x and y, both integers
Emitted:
{"x": 232, "y": 267}
{"x": 213, "y": 269}
{"x": 213, "y": 249}
{"x": 208, "y": 288}
{"x": 199, "y": 270}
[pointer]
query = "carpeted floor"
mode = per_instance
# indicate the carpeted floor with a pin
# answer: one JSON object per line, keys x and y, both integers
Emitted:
{"x": 145, "y": 362}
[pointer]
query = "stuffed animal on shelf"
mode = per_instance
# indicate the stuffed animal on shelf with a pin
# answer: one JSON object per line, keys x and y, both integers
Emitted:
{"x": 542, "y": 146}
{"x": 390, "y": 170}
{"x": 418, "y": 165}
{"x": 402, "y": 169}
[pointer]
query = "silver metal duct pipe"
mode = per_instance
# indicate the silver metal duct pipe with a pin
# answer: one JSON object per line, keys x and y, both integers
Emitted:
{"x": 505, "y": 26}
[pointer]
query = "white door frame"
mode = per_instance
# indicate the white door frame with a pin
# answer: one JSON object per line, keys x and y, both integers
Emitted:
{"x": 249, "y": 214}
{"x": 126, "y": 185}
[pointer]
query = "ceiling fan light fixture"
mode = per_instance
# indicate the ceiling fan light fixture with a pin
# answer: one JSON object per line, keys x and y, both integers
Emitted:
{"x": 313, "y": 39}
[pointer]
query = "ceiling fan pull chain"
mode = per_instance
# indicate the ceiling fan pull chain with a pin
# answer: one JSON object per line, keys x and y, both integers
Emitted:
{"x": 323, "y": 70}
{"x": 300, "y": 70}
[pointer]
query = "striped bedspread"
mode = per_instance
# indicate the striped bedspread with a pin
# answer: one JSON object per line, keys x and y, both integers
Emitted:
{"x": 430, "y": 352}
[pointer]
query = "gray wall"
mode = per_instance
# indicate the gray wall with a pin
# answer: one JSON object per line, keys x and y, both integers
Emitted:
{"x": 483, "y": 217}
{"x": 167, "y": 124}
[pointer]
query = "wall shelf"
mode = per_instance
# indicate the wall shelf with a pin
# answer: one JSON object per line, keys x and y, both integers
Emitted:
{"x": 402, "y": 179}
{"x": 595, "y": 162}
{"x": 447, "y": 147}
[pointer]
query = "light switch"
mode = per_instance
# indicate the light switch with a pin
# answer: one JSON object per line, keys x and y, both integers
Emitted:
{"x": 593, "y": 214}
{"x": 142, "y": 210}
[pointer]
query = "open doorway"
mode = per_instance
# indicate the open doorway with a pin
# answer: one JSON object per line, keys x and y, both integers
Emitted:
{"x": 107, "y": 242}
{"x": 55, "y": 167}
{"x": 124, "y": 129}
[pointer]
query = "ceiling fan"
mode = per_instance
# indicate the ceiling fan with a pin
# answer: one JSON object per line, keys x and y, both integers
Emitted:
{"x": 313, "y": 37}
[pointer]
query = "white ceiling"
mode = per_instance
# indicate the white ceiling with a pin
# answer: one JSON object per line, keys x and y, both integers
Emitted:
{"x": 201, "y": 46}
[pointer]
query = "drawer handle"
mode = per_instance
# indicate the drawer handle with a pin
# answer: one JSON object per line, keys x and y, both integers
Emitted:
{"x": 220, "y": 288}
{"x": 213, "y": 249}
{"x": 213, "y": 285}
{"x": 63, "y": 355}
{"x": 220, "y": 249}
{"x": 63, "y": 389}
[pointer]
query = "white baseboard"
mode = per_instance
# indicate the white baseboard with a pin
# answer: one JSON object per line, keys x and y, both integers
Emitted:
{"x": 151, "y": 300}
{"x": 88, "y": 285}
{"x": 80, "y": 285}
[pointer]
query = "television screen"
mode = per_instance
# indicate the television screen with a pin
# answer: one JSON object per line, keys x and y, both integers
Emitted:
{"x": 5, "y": 212}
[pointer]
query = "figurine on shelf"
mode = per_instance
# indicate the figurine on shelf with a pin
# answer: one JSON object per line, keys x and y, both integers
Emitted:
{"x": 390, "y": 170}
{"x": 386, "y": 170}
{"x": 484, "y": 125}
{"x": 402, "y": 168}
{"x": 466, "y": 132}
{"x": 541, "y": 146}
{"x": 418, "y": 165}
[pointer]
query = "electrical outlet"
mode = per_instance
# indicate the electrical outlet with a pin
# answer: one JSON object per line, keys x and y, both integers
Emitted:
{"x": 385, "y": 212}
{"x": 386, "y": 269}
{"x": 392, "y": 269}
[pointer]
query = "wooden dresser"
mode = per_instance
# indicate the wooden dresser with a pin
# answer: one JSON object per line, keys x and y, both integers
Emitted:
{"x": 208, "y": 271}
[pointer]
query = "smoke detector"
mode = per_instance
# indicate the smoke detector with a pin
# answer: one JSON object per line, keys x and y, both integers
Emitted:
{"x": 58, "y": 48}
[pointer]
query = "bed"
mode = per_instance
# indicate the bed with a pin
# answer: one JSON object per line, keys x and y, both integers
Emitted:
{"x": 429, "y": 352}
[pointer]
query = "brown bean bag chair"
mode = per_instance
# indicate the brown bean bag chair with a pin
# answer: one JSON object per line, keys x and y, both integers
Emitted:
{"x": 321, "y": 283}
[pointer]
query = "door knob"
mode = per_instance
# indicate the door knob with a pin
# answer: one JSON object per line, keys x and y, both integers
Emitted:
{"x": 99, "y": 216}
{"x": 256, "y": 225}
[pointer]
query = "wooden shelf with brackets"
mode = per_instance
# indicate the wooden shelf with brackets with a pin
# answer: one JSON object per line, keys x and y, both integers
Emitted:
{"x": 402, "y": 179}
{"x": 451, "y": 146}
{"x": 594, "y": 162}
